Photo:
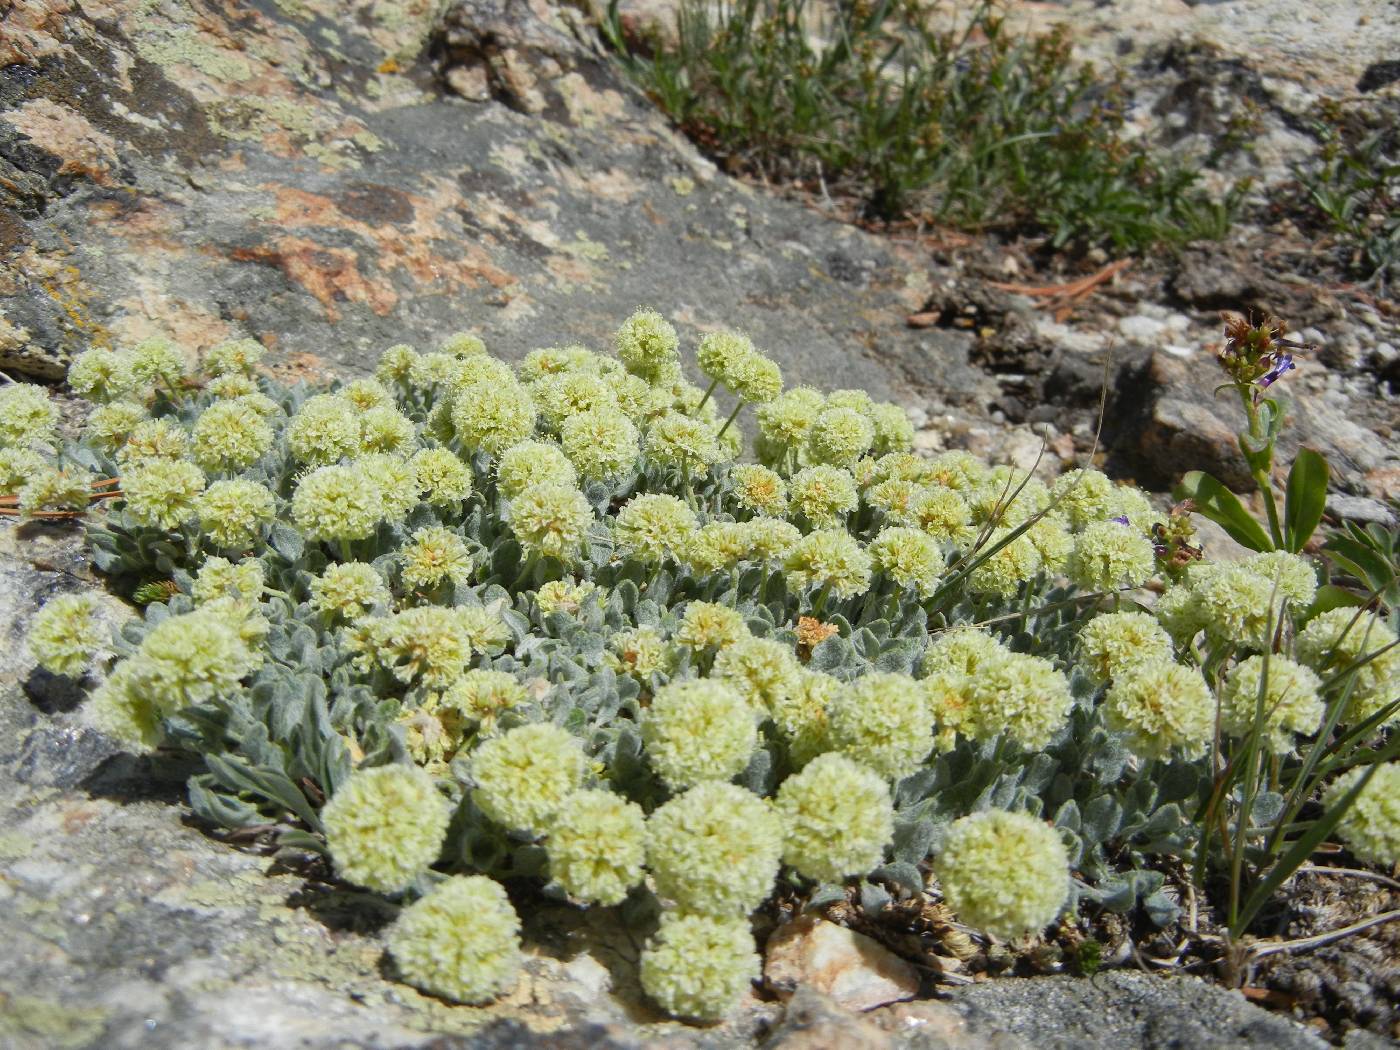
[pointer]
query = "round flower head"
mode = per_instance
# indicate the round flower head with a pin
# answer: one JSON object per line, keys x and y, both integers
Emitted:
{"x": 232, "y": 386}
{"x": 1085, "y": 497}
{"x": 162, "y": 493}
{"x": 709, "y": 625}
{"x": 395, "y": 363}
{"x": 697, "y": 966}
{"x": 910, "y": 558}
{"x": 63, "y": 636}
{"x": 966, "y": 651}
{"x": 1371, "y": 827}
{"x": 18, "y": 466}
{"x": 336, "y": 503}
{"x": 1114, "y": 641}
{"x": 258, "y": 402}
{"x": 221, "y": 578}
{"x": 785, "y": 422}
{"x": 229, "y": 437}
{"x": 837, "y": 819}
{"x": 840, "y": 436}
{"x": 959, "y": 470}
{"x": 1051, "y": 539}
{"x": 125, "y": 712}
{"x": 564, "y": 596}
{"x": 825, "y": 494}
{"x": 384, "y": 826}
{"x": 523, "y": 776}
{"x": 434, "y": 555}
{"x": 110, "y": 425}
{"x": 191, "y": 658}
{"x": 894, "y": 498}
{"x": 1338, "y": 638}
{"x": 770, "y": 539}
{"x": 855, "y": 400}
{"x": 158, "y": 361}
{"x": 756, "y": 379}
{"x": 483, "y": 370}
{"x": 1005, "y": 873}
{"x": 348, "y": 590}
{"x": 436, "y": 372}
{"x": 232, "y": 513}
{"x": 152, "y": 439}
{"x": 562, "y": 396}
{"x": 765, "y": 671}
{"x": 698, "y": 730}
{"x": 601, "y": 444}
{"x": 640, "y": 652}
{"x": 1022, "y": 696}
{"x": 681, "y": 441}
{"x": 491, "y": 417}
{"x": 829, "y": 558}
{"x": 1292, "y": 576}
{"x": 882, "y": 722}
{"x": 1239, "y": 605}
{"x": 1109, "y": 555}
{"x": 27, "y": 416}
{"x": 385, "y": 429}
{"x": 443, "y": 479}
{"x": 553, "y": 361}
{"x": 718, "y": 546}
{"x": 551, "y": 520}
{"x": 759, "y": 489}
{"x": 944, "y": 515}
{"x": 654, "y": 527}
{"x": 365, "y": 394}
{"x": 714, "y": 850}
{"x": 801, "y": 717}
{"x": 480, "y": 697}
{"x": 597, "y": 847}
{"x": 427, "y": 643}
{"x": 325, "y": 430}
{"x": 462, "y": 344}
{"x": 1131, "y": 502}
{"x": 893, "y": 430}
{"x": 394, "y": 483}
{"x": 1290, "y": 697}
{"x": 1180, "y": 610}
{"x": 1007, "y": 496}
{"x": 1005, "y": 570}
{"x": 636, "y": 398}
{"x": 647, "y": 344}
{"x": 720, "y": 355}
{"x": 235, "y": 355}
{"x": 533, "y": 463}
{"x": 461, "y": 941}
{"x": 55, "y": 490}
{"x": 1161, "y": 707}
{"x": 101, "y": 376}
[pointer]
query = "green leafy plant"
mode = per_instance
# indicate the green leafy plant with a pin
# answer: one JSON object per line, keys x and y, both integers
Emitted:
{"x": 967, "y": 124}
{"x": 1353, "y": 189}
{"x": 467, "y": 621}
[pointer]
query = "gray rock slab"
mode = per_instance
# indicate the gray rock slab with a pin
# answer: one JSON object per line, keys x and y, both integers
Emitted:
{"x": 1128, "y": 1008}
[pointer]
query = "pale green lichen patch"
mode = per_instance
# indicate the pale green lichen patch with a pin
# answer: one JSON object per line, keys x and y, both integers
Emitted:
{"x": 58, "y": 1025}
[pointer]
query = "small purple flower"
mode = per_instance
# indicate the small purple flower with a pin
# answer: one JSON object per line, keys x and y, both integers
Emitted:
{"x": 1282, "y": 363}
{"x": 1122, "y": 519}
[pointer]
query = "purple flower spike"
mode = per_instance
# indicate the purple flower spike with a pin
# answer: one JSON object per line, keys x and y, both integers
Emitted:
{"x": 1283, "y": 363}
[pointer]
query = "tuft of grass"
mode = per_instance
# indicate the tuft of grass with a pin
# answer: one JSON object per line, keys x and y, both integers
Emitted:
{"x": 974, "y": 126}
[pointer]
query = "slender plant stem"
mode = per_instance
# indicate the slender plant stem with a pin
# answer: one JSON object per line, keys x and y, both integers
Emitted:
{"x": 732, "y": 416}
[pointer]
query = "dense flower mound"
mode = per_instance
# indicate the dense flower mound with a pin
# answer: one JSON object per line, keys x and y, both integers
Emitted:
{"x": 460, "y": 941}
{"x": 656, "y": 637}
{"x": 1005, "y": 872}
